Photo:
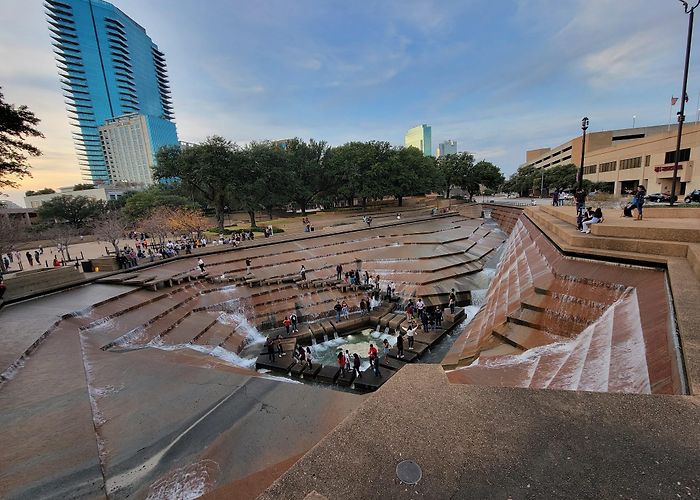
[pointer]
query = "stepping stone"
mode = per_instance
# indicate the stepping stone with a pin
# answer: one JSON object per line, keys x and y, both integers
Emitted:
{"x": 408, "y": 356}
{"x": 283, "y": 364}
{"x": 418, "y": 347}
{"x": 312, "y": 372}
{"x": 369, "y": 382}
{"x": 391, "y": 363}
{"x": 328, "y": 374}
{"x": 429, "y": 337}
{"x": 298, "y": 369}
{"x": 345, "y": 379}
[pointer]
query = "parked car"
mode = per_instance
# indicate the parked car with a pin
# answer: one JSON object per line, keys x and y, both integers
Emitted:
{"x": 566, "y": 196}
{"x": 659, "y": 197}
{"x": 694, "y": 196}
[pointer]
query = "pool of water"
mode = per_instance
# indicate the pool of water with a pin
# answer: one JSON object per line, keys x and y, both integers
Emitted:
{"x": 327, "y": 352}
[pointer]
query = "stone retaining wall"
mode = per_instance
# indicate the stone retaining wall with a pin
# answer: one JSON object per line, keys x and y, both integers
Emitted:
{"x": 28, "y": 283}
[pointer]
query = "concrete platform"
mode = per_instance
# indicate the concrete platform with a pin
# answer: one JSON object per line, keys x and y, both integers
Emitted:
{"x": 408, "y": 356}
{"x": 346, "y": 379}
{"x": 328, "y": 374}
{"x": 547, "y": 444}
{"x": 370, "y": 382}
{"x": 283, "y": 364}
{"x": 313, "y": 371}
{"x": 391, "y": 363}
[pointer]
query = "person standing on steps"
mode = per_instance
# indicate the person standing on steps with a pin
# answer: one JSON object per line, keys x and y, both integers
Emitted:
{"x": 356, "y": 365}
{"x": 410, "y": 333}
{"x": 348, "y": 361}
{"x": 438, "y": 317}
{"x": 287, "y": 323}
{"x": 374, "y": 360}
{"x": 338, "y": 272}
{"x": 278, "y": 343}
{"x": 341, "y": 361}
{"x": 453, "y": 301}
{"x": 270, "y": 349}
{"x": 345, "y": 310}
{"x": 302, "y": 273}
{"x": 386, "y": 347}
{"x": 293, "y": 318}
{"x": 338, "y": 308}
{"x": 30, "y": 259}
{"x": 399, "y": 345}
{"x": 639, "y": 197}
{"x": 247, "y": 266}
{"x": 200, "y": 263}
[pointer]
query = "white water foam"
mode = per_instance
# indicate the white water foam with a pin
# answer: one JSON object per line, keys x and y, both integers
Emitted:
{"x": 185, "y": 483}
{"x": 479, "y": 297}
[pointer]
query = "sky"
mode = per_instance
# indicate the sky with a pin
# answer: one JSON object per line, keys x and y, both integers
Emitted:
{"x": 499, "y": 77}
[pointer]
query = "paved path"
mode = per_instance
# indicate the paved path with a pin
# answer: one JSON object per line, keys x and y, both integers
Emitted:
{"x": 23, "y": 323}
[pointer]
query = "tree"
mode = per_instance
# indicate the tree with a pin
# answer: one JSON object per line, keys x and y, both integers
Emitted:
{"x": 485, "y": 174}
{"x": 83, "y": 187}
{"x": 453, "y": 168}
{"x": 187, "y": 220}
{"x": 16, "y": 126}
{"x": 63, "y": 235}
{"x": 260, "y": 178}
{"x": 11, "y": 233}
{"x": 75, "y": 210}
{"x": 111, "y": 228}
{"x": 523, "y": 180}
{"x": 138, "y": 205}
{"x": 203, "y": 169}
{"x": 561, "y": 176}
{"x": 308, "y": 177}
{"x": 406, "y": 172}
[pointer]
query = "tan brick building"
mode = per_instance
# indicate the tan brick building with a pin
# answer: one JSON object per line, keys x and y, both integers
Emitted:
{"x": 629, "y": 157}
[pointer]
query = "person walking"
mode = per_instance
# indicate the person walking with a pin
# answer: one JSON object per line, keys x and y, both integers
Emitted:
{"x": 385, "y": 348}
{"x": 348, "y": 361}
{"x": 338, "y": 308}
{"x": 356, "y": 365}
{"x": 425, "y": 321}
{"x": 270, "y": 349}
{"x": 420, "y": 306}
{"x": 293, "y": 318}
{"x": 399, "y": 345}
{"x": 639, "y": 198}
{"x": 200, "y": 263}
{"x": 37, "y": 257}
{"x": 30, "y": 259}
{"x": 287, "y": 323}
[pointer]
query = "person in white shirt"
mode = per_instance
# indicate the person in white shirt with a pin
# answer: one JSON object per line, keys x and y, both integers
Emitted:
{"x": 410, "y": 333}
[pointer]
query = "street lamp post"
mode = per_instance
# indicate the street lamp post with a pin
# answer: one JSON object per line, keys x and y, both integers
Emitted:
{"x": 681, "y": 114}
{"x": 584, "y": 127}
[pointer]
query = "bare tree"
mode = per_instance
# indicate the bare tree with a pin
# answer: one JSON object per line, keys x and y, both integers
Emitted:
{"x": 111, "y": 228}
{"x": 11, "y": 233}
{"x": 63, "y": 236}
{"x": 158, "y": 223}
{"x": 188, "y": 220}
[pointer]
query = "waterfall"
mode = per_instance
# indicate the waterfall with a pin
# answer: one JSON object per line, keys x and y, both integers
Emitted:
{"x": 335, "y": 335}
{"x": 479, "y": 297}
{"x": 313, "y": 340}
{"x": 325, "y": 337}
{"x": 378, "y": 327}
{"x": 386, "y": 331}
{"x": 373, "y": 303}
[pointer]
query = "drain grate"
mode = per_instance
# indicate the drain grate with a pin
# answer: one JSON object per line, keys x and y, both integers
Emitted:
{"x": 408, "y": 472}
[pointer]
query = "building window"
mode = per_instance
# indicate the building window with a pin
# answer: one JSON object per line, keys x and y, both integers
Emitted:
{"x": 631, "y": 163}
{"x": 590, "y": 169}
{"x": 608, "y": 166}
{"x": 647, "y": 160}
{"x": 671, "y": 155}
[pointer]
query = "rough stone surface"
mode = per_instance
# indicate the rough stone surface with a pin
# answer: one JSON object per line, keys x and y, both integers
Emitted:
{"x": 482, "y": 442}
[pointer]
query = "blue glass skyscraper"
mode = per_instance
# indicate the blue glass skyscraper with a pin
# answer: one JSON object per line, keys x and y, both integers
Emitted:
{"x": 108, "y": 67}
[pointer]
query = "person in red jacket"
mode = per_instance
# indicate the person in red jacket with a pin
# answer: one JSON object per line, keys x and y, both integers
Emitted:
{"x": 287, "y": 323}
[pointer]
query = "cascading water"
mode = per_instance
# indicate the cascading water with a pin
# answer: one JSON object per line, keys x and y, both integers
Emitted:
{"x": 479, "y": 297}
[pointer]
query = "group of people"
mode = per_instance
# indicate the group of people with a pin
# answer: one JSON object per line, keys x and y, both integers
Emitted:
{"x": 349, "y": 363}
{"x": 430, "y": 317}
{"x": 33, "y": 258}
{"x": 557, "y": 199}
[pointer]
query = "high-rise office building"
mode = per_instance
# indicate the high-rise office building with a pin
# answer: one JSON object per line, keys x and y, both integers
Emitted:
{"x": 420, "y": 137}
{"x": 446, "y": 148}
{"x": 108, "y": 67}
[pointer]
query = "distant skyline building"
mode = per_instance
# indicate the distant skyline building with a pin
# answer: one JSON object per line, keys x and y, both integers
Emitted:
{"x": 108, "y": 67}
{"x": 128, "y": 149}
{"x": 448, "y": 147}
{"x": 420, "y": 137}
